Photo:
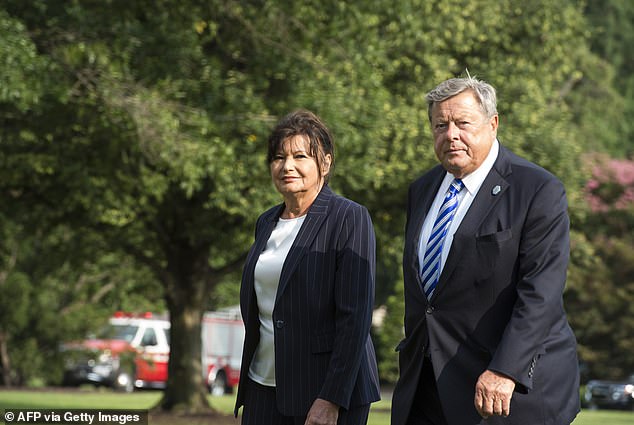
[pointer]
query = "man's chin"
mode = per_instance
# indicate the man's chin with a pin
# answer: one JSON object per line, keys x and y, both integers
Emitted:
{"x": 458, "y": 169}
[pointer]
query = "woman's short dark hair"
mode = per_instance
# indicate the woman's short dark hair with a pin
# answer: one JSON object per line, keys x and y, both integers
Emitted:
{"x": 304, "y": 123}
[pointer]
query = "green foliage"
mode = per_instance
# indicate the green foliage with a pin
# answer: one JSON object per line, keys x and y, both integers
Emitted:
{"x": 612, "y": 37}
{"x": 601, "y": 286}
{"x": 14, "y": 295}
{"x": 519, "y": 47}
{"x": 59, "y": 286}
{"x": 132, "y": 150}
{"x": 392, "y": 333}
{"x": 604, "y": 327}
{"x": 20, "y": 66}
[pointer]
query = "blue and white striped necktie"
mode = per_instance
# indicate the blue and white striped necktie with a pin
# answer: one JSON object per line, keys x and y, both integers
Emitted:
{"x": 430, "y": 272}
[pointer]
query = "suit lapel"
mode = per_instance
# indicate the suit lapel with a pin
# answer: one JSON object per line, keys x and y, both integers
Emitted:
{"x": 423, "y": 197}
{"x": 314, "y": 219}
{"x": 484, "y": 202}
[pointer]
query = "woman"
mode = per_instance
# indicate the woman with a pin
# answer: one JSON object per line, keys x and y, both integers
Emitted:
{"x": 307, "y": 292}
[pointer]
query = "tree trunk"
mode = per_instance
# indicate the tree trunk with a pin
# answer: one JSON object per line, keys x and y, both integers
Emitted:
{"x": 4, "y": 358}
{"x": 186, "y": 391}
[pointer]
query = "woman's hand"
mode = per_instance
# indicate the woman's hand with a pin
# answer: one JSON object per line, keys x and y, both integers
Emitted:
{"x": 322, "y": 412}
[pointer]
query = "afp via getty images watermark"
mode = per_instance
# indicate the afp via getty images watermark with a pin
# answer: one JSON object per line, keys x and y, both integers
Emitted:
{"x": 75, "y": 417}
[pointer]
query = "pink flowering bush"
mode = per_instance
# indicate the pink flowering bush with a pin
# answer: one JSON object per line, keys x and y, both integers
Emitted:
{"x": 600, "y": 287}
{"x": 611, "y": 186}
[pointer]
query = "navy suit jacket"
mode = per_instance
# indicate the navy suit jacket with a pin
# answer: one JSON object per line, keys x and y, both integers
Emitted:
{"x": 323, "y": 308}
{"x": 498, "y": 304}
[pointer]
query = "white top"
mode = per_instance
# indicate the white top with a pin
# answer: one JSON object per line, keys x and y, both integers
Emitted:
{"x": 472, "y": 184}
{"x": 266, "y": 279}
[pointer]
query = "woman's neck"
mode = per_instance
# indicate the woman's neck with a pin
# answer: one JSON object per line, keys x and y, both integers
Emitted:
{"x": 298, "y": 204}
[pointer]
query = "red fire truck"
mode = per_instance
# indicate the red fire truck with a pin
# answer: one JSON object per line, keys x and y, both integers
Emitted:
{"x": 222, "y": 339}
{"x": 133, "y": 352}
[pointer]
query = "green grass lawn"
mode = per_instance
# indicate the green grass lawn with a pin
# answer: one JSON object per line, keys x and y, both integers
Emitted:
{"x": 142, "y": 400}
{"x": 381, "y": 416}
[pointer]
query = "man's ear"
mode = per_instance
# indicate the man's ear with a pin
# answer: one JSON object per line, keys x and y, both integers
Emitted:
{"x": 494, "y": 122}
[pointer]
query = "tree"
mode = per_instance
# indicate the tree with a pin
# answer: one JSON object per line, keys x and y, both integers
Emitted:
{"x": 603, "y": 272}
{"x": 14, "y": 293}
{"x": 127, "y": 162}
{"x": 143, "y": 124}
{"x": 520, "y": 47}
{"x": 611, "y": 38}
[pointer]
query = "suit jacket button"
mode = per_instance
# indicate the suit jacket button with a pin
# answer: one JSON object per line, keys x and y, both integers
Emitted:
{"x": 279, "y": 324}
{"x": 429, "y": 310}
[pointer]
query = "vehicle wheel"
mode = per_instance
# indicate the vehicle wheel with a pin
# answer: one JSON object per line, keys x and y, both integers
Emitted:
{"x": 219, "y": 386}
{"x": 124, "y": 382}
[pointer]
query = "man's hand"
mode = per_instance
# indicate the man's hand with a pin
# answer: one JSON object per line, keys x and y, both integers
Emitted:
{"x": 493, "y": 394}
{"x": 322, "y": 412}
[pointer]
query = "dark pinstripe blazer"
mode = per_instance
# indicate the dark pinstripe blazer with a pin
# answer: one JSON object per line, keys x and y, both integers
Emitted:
{"x": 323, "y": 308}
{"x": 498, "y": 304}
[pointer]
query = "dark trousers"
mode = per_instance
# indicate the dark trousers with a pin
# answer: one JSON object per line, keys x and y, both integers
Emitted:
{"x": 260, "y": 408}
{"x": 426, "y": 408}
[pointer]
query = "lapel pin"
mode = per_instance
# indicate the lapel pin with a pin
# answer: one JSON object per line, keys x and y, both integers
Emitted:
{"x": 496, "y": 190}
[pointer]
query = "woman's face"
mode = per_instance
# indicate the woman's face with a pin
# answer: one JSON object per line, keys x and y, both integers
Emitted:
{"x": 294, "y": 171}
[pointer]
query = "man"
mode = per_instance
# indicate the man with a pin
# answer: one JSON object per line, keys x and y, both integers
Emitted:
{"x": 486, "y": 251}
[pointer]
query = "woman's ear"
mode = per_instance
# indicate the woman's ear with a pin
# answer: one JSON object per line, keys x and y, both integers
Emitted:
{"x": 325, "y": 168}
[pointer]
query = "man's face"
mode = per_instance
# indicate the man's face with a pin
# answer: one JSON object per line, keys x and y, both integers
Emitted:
{"x": 462, "y": 134}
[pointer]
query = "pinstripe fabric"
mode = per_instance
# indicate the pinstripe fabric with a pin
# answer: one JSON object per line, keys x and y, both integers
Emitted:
{"x": 323, "y": 308}
{"x": 260, "y": 408}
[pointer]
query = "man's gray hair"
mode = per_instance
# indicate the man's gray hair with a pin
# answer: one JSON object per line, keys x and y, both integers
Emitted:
{"x": 483, "y": 92}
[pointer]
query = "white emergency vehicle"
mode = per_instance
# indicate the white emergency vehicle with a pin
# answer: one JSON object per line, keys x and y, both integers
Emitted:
{"x": 133, "y": 352}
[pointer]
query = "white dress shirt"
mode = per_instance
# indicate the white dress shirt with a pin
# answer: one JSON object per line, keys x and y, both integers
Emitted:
{"x": 472, "y": 184}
